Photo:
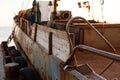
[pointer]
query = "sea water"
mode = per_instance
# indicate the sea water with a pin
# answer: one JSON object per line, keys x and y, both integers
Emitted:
{"x": 5, "y": 33}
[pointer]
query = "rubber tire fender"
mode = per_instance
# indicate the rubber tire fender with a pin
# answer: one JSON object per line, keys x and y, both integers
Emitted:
{"x": 15, "y": 53}
{"x": 28, "y": 73}
{"x": 22, "y": 62}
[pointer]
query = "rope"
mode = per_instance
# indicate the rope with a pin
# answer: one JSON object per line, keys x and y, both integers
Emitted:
{"x": 27, "y": 4}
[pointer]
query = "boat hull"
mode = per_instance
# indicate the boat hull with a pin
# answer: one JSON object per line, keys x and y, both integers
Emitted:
{"x": 48, "y": 49}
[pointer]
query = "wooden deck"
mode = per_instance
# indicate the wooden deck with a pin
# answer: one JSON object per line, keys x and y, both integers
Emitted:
{"x": 99, "y": 63}
{"x": 2, "y": 73}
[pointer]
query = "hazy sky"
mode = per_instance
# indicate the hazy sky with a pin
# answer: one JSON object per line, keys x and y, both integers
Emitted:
{"x": 111, "y": 9}
{"x": 8, "y": 8}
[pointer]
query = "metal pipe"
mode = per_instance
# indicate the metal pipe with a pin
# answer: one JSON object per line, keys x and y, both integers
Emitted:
{"x": 73, "y": 49}
{"x": 55, "y": 8}
{"x": 109, "y": 55}
{"x": 100, "y": 52}
{"x": 90, "y": 25}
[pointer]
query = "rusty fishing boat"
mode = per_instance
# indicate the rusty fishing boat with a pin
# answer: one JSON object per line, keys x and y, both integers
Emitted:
{"x": 63, "y": 47}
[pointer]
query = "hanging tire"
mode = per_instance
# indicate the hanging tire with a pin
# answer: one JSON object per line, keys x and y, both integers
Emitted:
{"x": 11, "y": 71}
{"x": 15, "y": 53}
{"x": 21, "y": 61}
{"x": 8, "y": 59}
{"x": 12, "y": 48}
{"x": 6, "y": 53}
{"x": 28, "y": 73}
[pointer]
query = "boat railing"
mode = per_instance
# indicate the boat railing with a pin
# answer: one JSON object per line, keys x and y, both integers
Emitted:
{"x": 103, "y": 53}
{"x": 88, "y": 48}
{"x": 28, "y": 29}
{"x": 25, "y": 25}
{"x": 91, "y": 26}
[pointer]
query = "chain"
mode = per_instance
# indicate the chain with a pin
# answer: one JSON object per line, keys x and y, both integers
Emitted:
{"x": 11, "y": 36}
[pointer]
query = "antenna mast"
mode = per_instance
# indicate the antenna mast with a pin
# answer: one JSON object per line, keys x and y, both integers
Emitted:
{"x": 55, "y": 8}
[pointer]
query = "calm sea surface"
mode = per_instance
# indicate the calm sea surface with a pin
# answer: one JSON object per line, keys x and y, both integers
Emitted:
{"x": 5, "y": 32}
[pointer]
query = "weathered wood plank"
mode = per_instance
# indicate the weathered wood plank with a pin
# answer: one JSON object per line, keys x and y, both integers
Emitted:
{"x": 60, "y": 44}
{"x": 2, "y": 72}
